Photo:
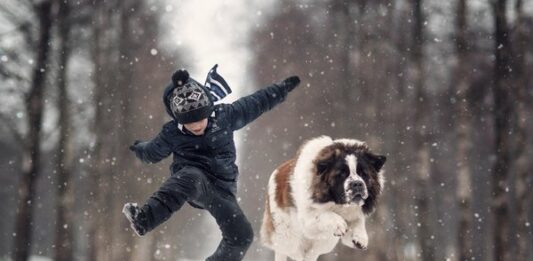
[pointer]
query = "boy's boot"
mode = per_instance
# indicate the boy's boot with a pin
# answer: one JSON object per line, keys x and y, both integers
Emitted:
{"x": 137, "y": 218}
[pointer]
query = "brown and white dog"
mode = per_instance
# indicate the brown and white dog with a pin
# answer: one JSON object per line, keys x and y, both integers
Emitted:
{"x": 322, "y": 195}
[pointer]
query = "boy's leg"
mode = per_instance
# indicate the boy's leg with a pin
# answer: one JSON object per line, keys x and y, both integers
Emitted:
{"x": 173, "y": 193}
{"x": 237, "y": 233}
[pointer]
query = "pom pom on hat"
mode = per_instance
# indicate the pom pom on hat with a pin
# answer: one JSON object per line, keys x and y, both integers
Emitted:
{"x": 180, "y": 77}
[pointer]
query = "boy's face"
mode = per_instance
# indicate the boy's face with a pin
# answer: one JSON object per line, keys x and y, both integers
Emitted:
{"x": 197, "y": 128}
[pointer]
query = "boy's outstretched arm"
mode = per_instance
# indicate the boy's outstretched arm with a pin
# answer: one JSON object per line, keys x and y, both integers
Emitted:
{"x": 154, "y": 150}
{"x": 248, "y": 108}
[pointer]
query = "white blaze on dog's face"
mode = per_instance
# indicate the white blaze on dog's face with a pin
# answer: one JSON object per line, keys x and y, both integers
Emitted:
{"x": 348, "y": 173}
{"x": 355, "y": 188}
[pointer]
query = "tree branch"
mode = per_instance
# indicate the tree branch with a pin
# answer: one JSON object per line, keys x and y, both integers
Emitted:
{"x": 8, "y": 74}
{"x": 10, "y": 125}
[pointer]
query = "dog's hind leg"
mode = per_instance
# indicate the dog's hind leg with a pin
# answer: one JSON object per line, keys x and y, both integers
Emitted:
{"x": 280, "y": 257}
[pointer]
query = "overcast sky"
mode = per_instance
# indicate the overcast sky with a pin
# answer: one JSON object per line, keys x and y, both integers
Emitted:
{"x": 216, "y": 32}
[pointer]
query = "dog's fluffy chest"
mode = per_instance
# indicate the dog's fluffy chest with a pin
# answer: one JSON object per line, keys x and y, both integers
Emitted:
{"x": 349, "y": 213}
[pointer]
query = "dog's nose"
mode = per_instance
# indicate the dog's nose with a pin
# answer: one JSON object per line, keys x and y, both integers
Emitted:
{"x": 358, "y": 186}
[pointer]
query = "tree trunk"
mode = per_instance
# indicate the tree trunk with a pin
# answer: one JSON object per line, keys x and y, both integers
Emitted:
{"x": 464, "y": 189}
{"x": 503, "y": 112}
{"x": 520, "y": 153}
{"x": 424, "y": 227}
{"x": 127, "y": 47}
{"x": 396, "y": 184}
{"x": 64, "y": 224}
{"x": 106, "y": 132}
{"x": 98, "y": 59}
{"x": 32, "y": 153}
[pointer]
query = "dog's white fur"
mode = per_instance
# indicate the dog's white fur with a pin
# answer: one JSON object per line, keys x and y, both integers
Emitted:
{"x": 310, "y": 229}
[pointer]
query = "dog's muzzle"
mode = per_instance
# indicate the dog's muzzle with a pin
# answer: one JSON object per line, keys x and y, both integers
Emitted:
{"x": 357, "y": 191}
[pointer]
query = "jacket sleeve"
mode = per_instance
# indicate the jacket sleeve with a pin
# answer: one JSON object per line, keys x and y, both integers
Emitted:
{"x": 154, "y": 150}
{"x": 249, "y": 108}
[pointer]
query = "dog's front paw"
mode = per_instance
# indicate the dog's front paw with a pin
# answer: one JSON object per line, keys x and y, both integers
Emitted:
{"x": 340, "y": 230}
{"x": 360, "y": 241}
{"x": 335, "y": 223}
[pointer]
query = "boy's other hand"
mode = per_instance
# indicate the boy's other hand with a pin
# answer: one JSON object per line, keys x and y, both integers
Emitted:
{"x": 134, "y": 146}
{"x": 291, "y": 82}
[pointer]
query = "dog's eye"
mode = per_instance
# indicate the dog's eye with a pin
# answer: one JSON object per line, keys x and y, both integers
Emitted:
{"x": 360, "y": 171}
{"x": 344, "y": 170}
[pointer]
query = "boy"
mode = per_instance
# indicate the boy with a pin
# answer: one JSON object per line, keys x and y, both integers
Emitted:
{"x": 203, "y": 172}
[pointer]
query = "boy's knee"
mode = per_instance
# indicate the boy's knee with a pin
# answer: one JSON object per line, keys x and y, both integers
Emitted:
{"x": 244, "y": 235}
{"x": 248, "y": 237}
{"x": 180, "y": 187}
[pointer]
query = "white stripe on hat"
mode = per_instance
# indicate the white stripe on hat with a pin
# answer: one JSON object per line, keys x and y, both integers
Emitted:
{"x": 216, "y": 84}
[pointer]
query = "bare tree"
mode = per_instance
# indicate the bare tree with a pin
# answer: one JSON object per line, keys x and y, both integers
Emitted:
{"x": 421, "y": 107}
{"x": 120, "y": 32}
{"x": 128, "y": 50}
{"x": 32, "y": 154}
{"x": 100, "y": 174}
{"x": 503, "y": 113}
{"x": 464, "y": 197}
{"x": 64, "y": 206}
{"x": 520, "y": 151}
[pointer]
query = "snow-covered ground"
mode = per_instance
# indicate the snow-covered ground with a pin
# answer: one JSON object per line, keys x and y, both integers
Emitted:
{"x": 32, "y": 258}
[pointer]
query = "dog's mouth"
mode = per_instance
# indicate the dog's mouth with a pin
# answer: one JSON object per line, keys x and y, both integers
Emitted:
{"x": 357, "y": 198}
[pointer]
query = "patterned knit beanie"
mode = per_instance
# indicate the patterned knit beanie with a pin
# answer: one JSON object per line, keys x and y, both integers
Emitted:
{"x": 189, "y": 101}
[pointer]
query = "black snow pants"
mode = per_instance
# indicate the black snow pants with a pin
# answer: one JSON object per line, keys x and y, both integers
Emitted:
{"x": 190, "y": 184}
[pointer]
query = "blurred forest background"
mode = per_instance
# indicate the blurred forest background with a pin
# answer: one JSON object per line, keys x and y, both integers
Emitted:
{"x": 443, "y": 88}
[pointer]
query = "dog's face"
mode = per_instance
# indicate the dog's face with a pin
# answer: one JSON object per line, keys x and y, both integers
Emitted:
{"x": 348, "y": 174}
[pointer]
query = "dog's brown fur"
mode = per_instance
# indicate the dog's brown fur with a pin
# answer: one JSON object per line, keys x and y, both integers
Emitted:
{"x": 283, "y": 189}
{"x": 268, "y": 225}
{"x": 283, "y": 195}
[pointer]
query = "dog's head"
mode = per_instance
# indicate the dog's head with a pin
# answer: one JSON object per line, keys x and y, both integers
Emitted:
{"x": 347, "y": 172}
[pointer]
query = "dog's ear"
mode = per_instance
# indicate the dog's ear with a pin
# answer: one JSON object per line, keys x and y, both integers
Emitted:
{"x": 325, "y": 161}
{"x": 323, "y": 166}
{"x": 377, "y": 161}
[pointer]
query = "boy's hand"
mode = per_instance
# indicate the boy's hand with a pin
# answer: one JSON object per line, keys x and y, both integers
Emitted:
{"x": 134, "y": 146}
{"x": 291, "y": 82}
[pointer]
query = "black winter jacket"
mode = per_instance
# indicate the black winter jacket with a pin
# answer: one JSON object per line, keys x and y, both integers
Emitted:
{"x": 213, "y": 152}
